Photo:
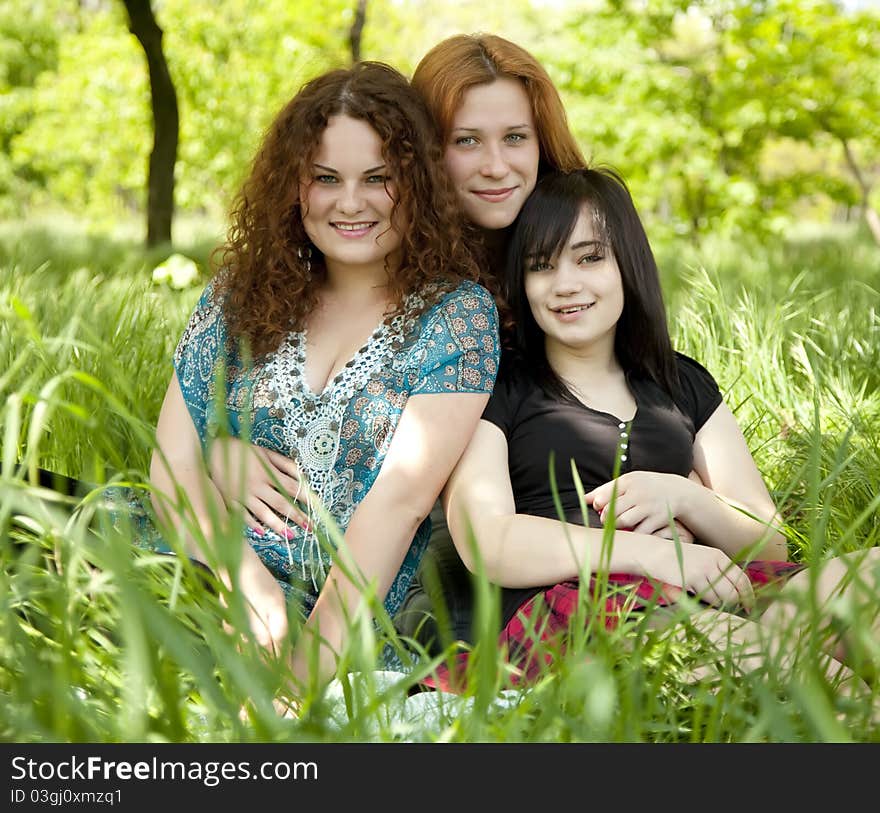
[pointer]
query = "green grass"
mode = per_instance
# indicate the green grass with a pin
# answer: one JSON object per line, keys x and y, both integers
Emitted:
{"x": 102, "y": 642}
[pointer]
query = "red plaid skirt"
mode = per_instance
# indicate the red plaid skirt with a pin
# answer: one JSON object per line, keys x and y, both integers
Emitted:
{"x": 546, "y": 617}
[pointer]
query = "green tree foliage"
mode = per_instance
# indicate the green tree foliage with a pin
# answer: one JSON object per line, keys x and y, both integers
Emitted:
{"x": 725, "y": 115}
{"x": 28, "y": 47}
{"x": 232, "y": 63}
{"x": 698, "y": 103}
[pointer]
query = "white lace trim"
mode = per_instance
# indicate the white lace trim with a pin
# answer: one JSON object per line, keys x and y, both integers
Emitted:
{"x": 312, "y": 422}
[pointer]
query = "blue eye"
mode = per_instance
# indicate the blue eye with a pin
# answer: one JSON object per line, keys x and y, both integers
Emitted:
{"x": 325, "y": 178}
{"x": 515, "y": 138}
{"x": 465, "y": 141}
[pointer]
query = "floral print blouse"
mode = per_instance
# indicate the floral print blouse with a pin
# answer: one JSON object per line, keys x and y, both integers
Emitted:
{"x": 338, "y": 437}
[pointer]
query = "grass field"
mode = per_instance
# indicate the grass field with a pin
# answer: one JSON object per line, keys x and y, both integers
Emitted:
{"x": 102, "y": 643}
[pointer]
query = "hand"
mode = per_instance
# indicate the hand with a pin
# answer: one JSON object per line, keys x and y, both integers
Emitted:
{"x": 264, "y": 600}
{"x": 264, "y": 483}
{"x": 676, "y": 531}
{"x": 645, "y": 500}
{"x": 708, "y": 573}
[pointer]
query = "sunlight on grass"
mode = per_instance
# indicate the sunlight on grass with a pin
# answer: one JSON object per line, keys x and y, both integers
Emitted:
{"x": 102, "y": 641}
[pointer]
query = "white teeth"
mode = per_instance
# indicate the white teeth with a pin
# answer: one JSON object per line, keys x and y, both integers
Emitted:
{"x": 574, "y": 309}
{"x": 352, "y": 226}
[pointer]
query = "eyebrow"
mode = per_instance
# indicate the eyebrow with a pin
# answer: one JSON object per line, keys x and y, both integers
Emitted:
{"x": 336, "y": 171}
{"x": 586, "y": 244}
{"x": 478, "y": 129}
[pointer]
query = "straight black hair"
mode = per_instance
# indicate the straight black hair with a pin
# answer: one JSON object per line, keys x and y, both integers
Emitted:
{"x": 543, "y": 227}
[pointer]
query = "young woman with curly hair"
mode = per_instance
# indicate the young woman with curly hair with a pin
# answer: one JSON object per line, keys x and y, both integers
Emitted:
{"x": 345, "y": 336}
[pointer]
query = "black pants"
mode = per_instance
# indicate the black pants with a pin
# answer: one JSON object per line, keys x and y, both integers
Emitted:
{"x": 63, "y": 484}
{"x": 438, "y": 607}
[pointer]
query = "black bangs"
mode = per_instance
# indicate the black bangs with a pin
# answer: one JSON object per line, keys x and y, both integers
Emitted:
{"x": 548, "y": 218}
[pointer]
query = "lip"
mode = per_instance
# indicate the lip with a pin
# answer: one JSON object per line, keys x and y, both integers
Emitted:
{"x": 364, "y": 227}
{"x": 574, "y": 315}
{"x": 494, "y": 195}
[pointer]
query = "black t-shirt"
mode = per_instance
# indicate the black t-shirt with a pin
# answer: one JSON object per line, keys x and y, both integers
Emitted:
{"x": 659, "y": 438}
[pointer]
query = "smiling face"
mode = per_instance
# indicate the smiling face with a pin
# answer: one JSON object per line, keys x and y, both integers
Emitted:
{"x": 492, "y": 152}
{"x": 576, "y": 296}
{"x": 349, "y": 199}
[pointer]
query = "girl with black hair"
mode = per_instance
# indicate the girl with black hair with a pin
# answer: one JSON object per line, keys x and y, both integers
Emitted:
{"x": 594, "y": 384}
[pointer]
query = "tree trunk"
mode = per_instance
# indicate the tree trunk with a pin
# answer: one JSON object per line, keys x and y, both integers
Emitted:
{"x": 160, "y": 197}
{"x": 870, "y": 214}
{"x": 357, "y": 31}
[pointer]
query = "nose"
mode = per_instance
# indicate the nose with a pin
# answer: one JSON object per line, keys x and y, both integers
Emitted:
{"x": 568, "y": 279}
{"x": 350, "y": 201}
{"x": 494, "y": 164}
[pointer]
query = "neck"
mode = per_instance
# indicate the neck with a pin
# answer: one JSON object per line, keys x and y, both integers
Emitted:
{"x": 587, "y": 368}
{"x": 359, "y": 283}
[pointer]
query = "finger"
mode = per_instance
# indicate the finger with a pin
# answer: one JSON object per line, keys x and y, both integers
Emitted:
{"x": 602, "y": 495}
{"x": 656, "y": 525}
{"x": 736, "y": 585}
{"x": 283, "y": 506}
{"x": 267, "y": 518}
{"x": 637, "y": 516}
{"x": 682, "y": 533}
{"x": 289, "y": 486}
{"x": 284, "y": 464}
{"x": 253, "y": 522}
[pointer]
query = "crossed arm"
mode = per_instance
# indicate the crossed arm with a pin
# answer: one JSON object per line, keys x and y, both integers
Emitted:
{"x": 518, "y": 550}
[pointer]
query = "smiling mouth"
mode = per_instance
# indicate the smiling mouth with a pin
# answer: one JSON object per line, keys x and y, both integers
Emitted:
{"x": 494, "y": 194}
{"x": 572, "y": 308}
{"x": 354, "y": 229}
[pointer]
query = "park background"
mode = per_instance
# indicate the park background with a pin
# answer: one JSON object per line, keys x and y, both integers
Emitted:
{"x": 749, "y": 133}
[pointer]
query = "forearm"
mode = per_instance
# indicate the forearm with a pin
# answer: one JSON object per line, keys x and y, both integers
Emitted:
{"x": 194, "y": 519}
{"x": 367, "y": 562}
{"x": 519, "y": 550}
{"x": 731, "y": 527}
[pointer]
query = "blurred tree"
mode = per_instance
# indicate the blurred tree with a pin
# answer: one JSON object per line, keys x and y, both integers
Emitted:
{"x": 28, "y": 48}
{"x": 816, "y": 72}
{"x": 160, "y": 181}
{"x": 724, "y": 115}
{"x": 690, "y": 100}
{"x": 356, "y": 32}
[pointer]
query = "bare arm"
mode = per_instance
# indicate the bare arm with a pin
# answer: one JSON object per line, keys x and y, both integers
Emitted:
{"x": 731, "y": 509}
{"x": 727, "y": 468}
{"x": 177, "y": 463}
{"x": 428, "y": 441}
{"x": 518, "y": 550}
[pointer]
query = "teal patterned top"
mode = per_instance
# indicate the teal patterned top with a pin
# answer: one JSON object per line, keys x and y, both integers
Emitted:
{"x": 338, "y": 437}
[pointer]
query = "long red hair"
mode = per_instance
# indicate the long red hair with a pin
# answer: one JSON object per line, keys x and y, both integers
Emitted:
{"x": 458, "y": 63}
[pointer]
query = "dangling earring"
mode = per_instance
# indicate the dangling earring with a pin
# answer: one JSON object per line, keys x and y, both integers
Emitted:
{"x": 305, "y": 253}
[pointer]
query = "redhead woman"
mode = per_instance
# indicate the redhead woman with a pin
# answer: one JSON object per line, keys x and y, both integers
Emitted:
{"x": 502, "y": 125}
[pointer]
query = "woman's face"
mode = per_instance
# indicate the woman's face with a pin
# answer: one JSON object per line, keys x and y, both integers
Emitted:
{"x": 493, "y": 152}
{"x": 349, "y": 199}
{"x": 576, "y": 296}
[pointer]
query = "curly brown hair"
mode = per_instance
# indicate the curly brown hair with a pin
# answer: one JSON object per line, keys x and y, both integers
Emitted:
{"x": 266, "y": 286}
